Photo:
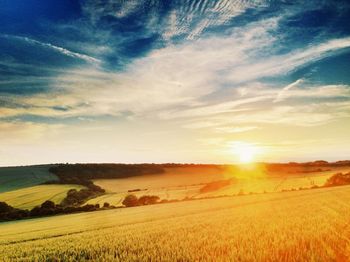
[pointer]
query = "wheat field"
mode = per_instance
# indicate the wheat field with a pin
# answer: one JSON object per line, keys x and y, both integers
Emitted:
{"x": 29, "y": 197}
{"x": 188, "y": 182}
{"x": 311, "y": 225}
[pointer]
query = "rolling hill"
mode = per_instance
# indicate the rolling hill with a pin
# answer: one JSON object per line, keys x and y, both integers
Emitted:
{"x": 291, "y": 226}
{"x": 29, "y": 197}
{"x": 12, "y": 178}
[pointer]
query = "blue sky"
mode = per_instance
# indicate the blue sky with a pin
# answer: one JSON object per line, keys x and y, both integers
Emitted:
{"x": 173, "y": 81}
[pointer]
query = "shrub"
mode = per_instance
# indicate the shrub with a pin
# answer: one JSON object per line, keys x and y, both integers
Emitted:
{"x": 338, "y": 179}
{"x": 130, "y": 201}
{"x": 5, "y": 208}
{"x": 48, "y": 205}
{"x": 148, "y": 200}
{"x": 75, "y": 197}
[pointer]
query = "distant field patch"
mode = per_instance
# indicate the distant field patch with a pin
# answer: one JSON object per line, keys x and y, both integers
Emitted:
{"x": 186, "y": 182}
{"x": 29, "y": 197}
{"x": 12, "y": 178}
{"x": 173, "y": 177}
{"x": 170, "y": 193}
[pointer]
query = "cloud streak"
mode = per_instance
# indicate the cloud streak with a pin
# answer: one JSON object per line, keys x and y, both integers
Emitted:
{"x": 58, "y": 49}
{"x": 174, "y": 82}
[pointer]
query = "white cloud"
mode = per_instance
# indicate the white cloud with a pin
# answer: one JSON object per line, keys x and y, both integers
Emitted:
{"x": 283, "y": 93}
{"x": 228, "y": 129}
{"x": 254, "y": 68}
{"x": 59, "y": 49}
{"x": 196, "y": 16}
{"x": 177, "y": 82}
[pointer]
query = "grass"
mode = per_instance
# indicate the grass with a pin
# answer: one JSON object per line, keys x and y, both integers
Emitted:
{"x": 29, "y": 197}
{"x": 12, "y": 178}
{"x": 310, "y": 225}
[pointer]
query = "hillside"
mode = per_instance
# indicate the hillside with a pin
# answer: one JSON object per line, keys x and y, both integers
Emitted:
{"x": 168, "y": 181}
{"x": 29, "y": 197}
{"x": 186, "y": 182}
{"x": 289, "y": 226}
{"x": 12, "y": 178}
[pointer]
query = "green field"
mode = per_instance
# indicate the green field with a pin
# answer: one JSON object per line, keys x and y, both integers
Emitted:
{"x": 12, "y": 178}
{"x": 29, "y": 197}
{"x": 309, "y": 225}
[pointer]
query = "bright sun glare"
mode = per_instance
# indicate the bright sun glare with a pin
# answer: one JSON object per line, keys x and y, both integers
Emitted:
{"x": 244, "y": 152}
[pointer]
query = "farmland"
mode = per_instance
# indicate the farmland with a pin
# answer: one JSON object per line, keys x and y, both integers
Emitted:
{"x": 309, "y": 225}
{"x": 29, "y": 197}
{"x": 12, "y": 178}
{"x": 20, "y": 188}
{"x": 186, "y": 182}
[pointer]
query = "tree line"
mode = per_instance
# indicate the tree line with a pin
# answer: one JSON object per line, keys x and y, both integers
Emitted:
{"x": 77, "y": 172}
{"x": 48, "y": 208}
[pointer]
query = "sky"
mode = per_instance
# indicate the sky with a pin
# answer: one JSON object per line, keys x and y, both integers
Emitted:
{"x": 174, "y": 81}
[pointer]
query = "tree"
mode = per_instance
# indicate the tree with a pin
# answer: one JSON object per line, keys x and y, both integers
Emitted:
{"x": 5, "y": 208}
{"x": 148, "y": 200}
{"x": 48, "y": 205}
{"x": 106, "y": 204}
{"x": 338, "y": 179}
{"x": 130, "y": 201}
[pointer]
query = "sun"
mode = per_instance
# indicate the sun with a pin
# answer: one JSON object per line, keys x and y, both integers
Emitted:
{"x": 246, "y": 155}
{"x": 244, "y": 152}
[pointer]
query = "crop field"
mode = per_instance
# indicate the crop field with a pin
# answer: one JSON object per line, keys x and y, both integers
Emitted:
{"x": 169, "y": 193}
{"x": 310, "y": 225}
{"x": 173, "y": 177}
{"x": 180, "y": 183}
{"x": 12, "y": 178}
{"x": 29, "y": 197}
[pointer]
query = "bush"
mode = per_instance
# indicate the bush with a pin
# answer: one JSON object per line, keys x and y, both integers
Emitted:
{"x": 130, "y": 201}
{"x": 48, "y": 205}
{"x": 5, "y": 208}
{"x": 75, "y": 197}
{"x": 338, "y": 179}
{"x": 148, "y": 200}
{"x": 8, "y": 212}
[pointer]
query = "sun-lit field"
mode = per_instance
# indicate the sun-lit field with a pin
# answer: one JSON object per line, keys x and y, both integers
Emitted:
{"x": 307, "y": 225}
{"x": 180, "y": 183}
{"x": 29, "y": 197}
{"x": 170, "y": 193}
{"x": 172, "y": 177}
{"x": 180, "y": 131}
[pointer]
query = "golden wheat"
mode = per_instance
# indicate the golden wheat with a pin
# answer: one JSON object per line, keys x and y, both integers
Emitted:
{"x": 307, "y": 225}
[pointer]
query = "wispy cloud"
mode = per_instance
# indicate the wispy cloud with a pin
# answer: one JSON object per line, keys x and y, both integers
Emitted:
{"x": 283, "y": 93}
{"x": 212, "y": 71}
{"x": 175, "y": 81}
{"x": 59, "y": 49}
